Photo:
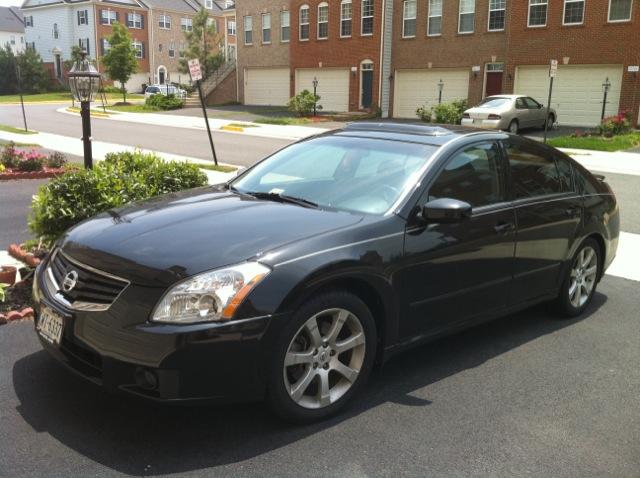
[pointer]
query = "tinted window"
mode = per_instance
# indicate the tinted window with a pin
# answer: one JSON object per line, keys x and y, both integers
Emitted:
{"x": 531, "y": 103}
{"x": 495, "y": 102}
{"x": 472, "y": 175}
{"x": 520, "y": 104}
{"x": 532, "y": 173}
{"x": 566, "y": 174}
{"x": 153, "y": 89}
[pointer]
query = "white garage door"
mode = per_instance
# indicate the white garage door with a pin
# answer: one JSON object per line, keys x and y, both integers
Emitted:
{"x": 333, "y": 86}
{"x": 266, "y": 86}
{"x": 415, "y": 88}
{"x": 577, "y": 90}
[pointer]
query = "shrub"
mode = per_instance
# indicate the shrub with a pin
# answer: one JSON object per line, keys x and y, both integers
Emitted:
{"x": 9, "y": 155}
{"x": 111, "y": 89}
{"x": 614, "y": 125}
{"x": 302, "y": 103}
{"x": 55, "y": 160}
{"x": 31, "y": 161}
{"x": 121, "y": 178}
{"x": 164, "y": 102}
{"x": 445, "y": 113}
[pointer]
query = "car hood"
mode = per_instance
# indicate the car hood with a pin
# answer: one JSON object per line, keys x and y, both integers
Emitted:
{"x": 161, "y": 241}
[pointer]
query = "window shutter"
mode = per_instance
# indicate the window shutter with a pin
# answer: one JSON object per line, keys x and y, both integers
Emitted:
{"x": 142, "y": 49}
{"x": 78, "y": 15}
{"x": 142, "y": 21}
{"x": 102, "y": 47}
{"x": 88, "y": 51}
{"x": 117, "y": 16}
{"x": 86, "y": 16}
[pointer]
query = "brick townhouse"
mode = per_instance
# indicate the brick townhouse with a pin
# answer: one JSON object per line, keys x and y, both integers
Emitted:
{"x": 483, "y": 47}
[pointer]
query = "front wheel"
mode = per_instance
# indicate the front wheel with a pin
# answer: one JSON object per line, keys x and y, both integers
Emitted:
{"x": 513, "y": 127}
{"x": 323, "y": 357}
{"x": 580, "y": 281}
{"x": 549, "y": 124}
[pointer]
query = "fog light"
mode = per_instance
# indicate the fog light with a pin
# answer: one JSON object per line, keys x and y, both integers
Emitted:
{"x": 146, "y": 378}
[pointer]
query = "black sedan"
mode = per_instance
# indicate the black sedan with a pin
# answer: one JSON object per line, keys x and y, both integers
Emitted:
{"x": 293, "y": 280}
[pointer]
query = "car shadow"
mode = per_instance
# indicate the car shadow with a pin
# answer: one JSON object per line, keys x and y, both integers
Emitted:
{"x": 138, "y": 437}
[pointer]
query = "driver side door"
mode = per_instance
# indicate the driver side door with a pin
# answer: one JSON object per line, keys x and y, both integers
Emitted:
{"x": 460, "y": 272}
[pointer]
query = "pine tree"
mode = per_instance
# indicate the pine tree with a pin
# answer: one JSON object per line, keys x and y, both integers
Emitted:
{"x": 203, "y": 43}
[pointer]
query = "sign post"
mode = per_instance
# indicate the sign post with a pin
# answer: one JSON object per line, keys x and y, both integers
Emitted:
{"x": 553, "y": 71}
{"x": 196, "y": 75}
{"x": 19, "y": 78}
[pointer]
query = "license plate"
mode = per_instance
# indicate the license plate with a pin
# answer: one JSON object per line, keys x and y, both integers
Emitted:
{"x": 50, "y": 326}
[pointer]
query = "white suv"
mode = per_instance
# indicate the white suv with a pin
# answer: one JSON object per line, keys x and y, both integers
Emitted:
{"x": 164, "y": 90}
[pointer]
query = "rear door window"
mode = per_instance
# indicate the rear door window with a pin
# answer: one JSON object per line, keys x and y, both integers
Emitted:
{"x": 533, "y": 172}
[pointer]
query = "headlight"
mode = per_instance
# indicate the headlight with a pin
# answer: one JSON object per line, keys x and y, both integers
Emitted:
{"x": 210, "y": 296}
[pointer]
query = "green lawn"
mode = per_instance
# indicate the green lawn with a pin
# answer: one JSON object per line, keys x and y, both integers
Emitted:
{"x": 19, "y": 145}
{"x": 219, "y": 168}
{"x": 59, "y": 96}
{"x": 286, "y": 120}
{"x": 133, "y": 108}
{"x": 11, "y": 129}
{"x": 598, "y": 143}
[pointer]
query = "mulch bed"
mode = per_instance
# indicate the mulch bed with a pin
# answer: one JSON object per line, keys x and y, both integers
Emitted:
{"x": 17, "y": 304}
{"x": 9, "y": 174}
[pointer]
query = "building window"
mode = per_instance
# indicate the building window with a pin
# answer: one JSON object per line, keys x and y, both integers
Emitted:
{"x": 620, "y": 10}
{"x": 537, "y": 13}
{"x": 186, "y": 24}
{"x": 107, "y": 17}
{"x": 208, "y": 4}
{"x": 367, "y": 17}
{"x": 304, "y": 22}
{"x": 346, "y": 15}
{"x": 12, "y": 39}
{"x": 181, "y": 52}
{"x": 231, "y": 27}
{"x": 409, "y": 18}
{"x": 83, "y": 43}
{"x": 285, "y": 26}
{"x": 83, "y": 17}
{"x": 573, "y": 12}
{"x": 323, "y": 21}
{"x": 172, "y": 49}
{"x": 56, "y": 34}
{"x": 266, "y": 28}
{"x": 138, "y": 46}
{"x": 248, "y": 29}
{"x": 134, "y": 20}
{"x": 164, "y": 22}
{"x": 434, "y": 22}
{"x": 466, "y": 22}
{"x": 28, "y": 21}
{"x": 105, "y": 46}
{"x": 497, "y": 15}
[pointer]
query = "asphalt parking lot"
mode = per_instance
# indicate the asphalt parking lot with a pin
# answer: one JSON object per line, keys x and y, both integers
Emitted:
{"x": 527, "y": 395}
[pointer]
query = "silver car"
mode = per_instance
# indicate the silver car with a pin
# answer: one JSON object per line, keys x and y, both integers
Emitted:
{"x": 510, "y": 113}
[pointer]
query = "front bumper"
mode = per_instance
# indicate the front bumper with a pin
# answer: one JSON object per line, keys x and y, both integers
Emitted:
{"x": 114, "y": 349}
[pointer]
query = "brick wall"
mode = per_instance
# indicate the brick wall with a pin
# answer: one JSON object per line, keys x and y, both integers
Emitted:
{"x": 226, "y": 92}
{"x": 335, "y": 51}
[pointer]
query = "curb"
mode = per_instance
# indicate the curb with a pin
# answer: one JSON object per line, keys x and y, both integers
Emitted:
{"x": 13, "y": 315}
{"x": 7, "y": 176}
{"x": 237, "y": 129}
{"x": 20, "y": 254}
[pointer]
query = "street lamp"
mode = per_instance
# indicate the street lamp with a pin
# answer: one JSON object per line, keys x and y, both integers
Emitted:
{"x": 84, "y": 81}
{"x": 606, "y": 86}
{"x": 440, "y": 88}
{"x": 315, "y": 90}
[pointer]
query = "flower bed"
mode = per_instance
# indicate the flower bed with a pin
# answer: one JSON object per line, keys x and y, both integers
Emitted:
{"x": 31, "y": 164}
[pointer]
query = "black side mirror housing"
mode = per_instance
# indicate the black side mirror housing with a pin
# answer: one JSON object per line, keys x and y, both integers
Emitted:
{"x": 445, "y": 210}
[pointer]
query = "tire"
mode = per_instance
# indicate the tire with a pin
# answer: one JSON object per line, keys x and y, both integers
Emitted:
{"x": 549, "y": 124}
{"x": 314, "y": 385}
{"x": 513, "y": 127}
{"x": 581, "y": 280}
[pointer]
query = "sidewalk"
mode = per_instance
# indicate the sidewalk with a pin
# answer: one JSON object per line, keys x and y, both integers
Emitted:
{"x": 604, "y": 162}
{"x": 291, "y": 132}
{"x": 73, "y": 146}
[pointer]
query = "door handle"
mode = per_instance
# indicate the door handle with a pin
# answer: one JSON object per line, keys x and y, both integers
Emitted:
{"x": 503, "y": 227}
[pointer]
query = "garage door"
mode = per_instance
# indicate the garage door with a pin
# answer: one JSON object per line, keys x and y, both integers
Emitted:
{"x": 415, "y": 88}
{"x": 577, "y": 90}
{"x": 266, "y": 86}
{"x": 333, "y": 86}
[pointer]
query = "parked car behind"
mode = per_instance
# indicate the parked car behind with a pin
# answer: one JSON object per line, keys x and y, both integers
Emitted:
{"x": 164, "y": 90}
{"x": 510, "y": 113}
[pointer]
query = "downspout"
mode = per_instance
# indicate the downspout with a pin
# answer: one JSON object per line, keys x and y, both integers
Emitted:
{"x": 384, "y": 14}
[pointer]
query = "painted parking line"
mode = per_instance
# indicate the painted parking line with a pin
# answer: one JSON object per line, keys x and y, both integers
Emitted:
{"x": 627, "y": 261}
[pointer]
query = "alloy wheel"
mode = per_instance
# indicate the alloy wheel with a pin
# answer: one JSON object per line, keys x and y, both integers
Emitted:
{"x": 583, "y": 276}
{"x": 324, "y": 359}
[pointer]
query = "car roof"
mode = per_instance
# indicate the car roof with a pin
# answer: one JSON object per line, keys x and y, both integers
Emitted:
{"x": 428, "y": 134}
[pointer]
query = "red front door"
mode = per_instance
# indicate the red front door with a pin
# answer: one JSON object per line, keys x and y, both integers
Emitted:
{"x": 494, "y": 83}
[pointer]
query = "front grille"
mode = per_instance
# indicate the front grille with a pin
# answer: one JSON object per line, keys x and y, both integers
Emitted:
{"x": 93, "y": 289}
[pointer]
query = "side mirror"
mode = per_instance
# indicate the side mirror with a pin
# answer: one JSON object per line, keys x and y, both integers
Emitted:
{"x": 446, "y": 210}
{"x": 540, "y": 106}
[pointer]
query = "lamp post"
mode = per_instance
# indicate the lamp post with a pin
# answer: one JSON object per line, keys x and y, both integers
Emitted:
{"x": 440, "y": 88}
{"x": 84, "y": 81}
{"x": 606, "y": 86}
{"x": 315, "y": 90}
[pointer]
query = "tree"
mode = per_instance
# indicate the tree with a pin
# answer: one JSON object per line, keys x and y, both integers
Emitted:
{"x": 8, "y": 79}
{"x": 75, "y": 57}
{"x": 120, "y": 61}
{"x": 35, "y": 77}
{"x": 203, "y": 43}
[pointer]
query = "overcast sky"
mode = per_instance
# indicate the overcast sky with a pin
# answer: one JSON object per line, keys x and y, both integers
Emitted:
{"x": 10, "y": 3}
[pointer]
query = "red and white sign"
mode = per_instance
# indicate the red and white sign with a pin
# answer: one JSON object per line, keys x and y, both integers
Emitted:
{"x": 194, "y": 69}
{"x": 553, "y": 70}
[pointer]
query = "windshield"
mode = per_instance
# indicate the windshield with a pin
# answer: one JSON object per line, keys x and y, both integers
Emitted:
{"x": 495, "y": 102}
{"x": 153, "y": 89}
{"x": 346, "y": 173}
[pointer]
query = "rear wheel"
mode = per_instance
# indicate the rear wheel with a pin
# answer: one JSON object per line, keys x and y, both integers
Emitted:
{"x": 513, "y": 127}
{"x": 323, "y": 357}
{"x": 580, "y": 281}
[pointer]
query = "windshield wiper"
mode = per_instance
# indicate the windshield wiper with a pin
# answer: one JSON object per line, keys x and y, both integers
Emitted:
{"x": 282, "y": 198}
